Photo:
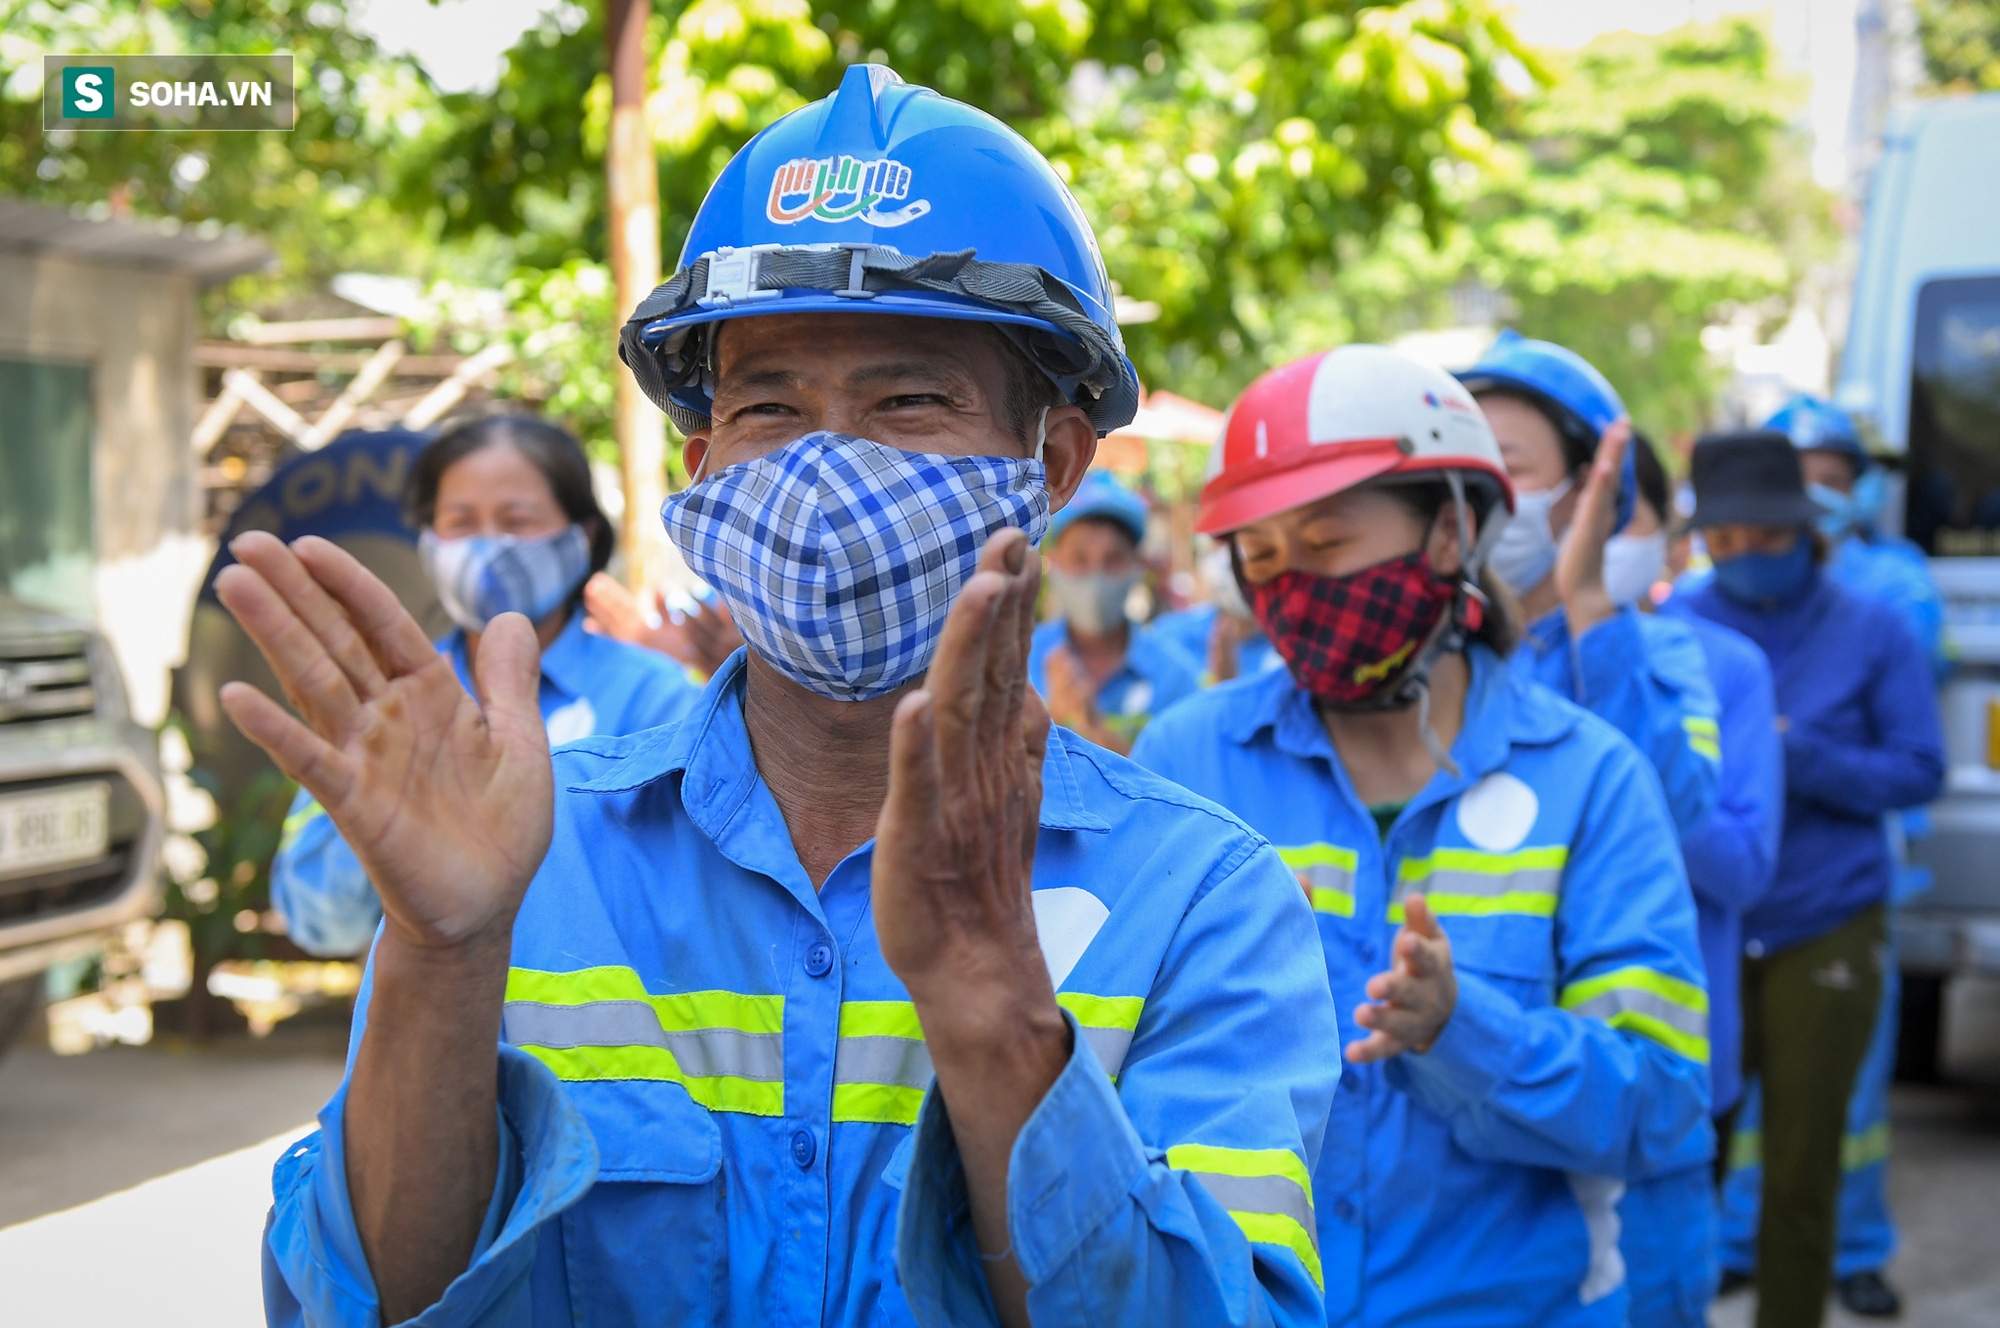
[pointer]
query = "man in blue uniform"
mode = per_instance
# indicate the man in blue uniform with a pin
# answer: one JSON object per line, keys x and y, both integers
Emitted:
{"x": 1851, "y": 486}
{"x": 861, "y": 995}
{"x": 1223, "y": 634}
{"x": 1101, "y": 673}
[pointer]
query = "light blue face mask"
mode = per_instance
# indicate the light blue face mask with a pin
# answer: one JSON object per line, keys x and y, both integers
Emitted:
{"x": 1851, "y": 513}
{"x": 480, "y": 577}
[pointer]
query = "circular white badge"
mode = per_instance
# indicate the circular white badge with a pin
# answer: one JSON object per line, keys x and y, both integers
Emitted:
{"x": 1497, "y": 813}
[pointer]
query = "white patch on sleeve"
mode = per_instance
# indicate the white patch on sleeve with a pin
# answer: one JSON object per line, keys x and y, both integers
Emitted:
{"x": 1598, "y": 1196}
{"x": 1497, "y": 813}
{"x": 567, "y": 723}
{"x": 1067, "y": 919}
{"x": 1138, "y": 698}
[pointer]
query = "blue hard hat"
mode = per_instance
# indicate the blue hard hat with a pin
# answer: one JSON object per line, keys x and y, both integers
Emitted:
{"x": 1103, "y": 497}
{"x": 888, "y": 198}
{"x": 1579, "y": 401}
{"x": 1816, "y": 424}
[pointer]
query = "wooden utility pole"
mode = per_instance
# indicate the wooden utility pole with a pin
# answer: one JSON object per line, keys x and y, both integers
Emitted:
{"x": 634, "y": 194}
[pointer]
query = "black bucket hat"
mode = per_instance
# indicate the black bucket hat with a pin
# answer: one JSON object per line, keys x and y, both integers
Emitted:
{"x": 1749, "y": 477}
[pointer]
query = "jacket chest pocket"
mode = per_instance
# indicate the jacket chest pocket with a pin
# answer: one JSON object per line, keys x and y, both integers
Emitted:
{"x": 649, "y": 1245}
{"x": 1498, "y": 908}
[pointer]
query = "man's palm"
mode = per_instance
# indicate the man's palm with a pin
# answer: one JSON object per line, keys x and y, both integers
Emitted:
{"x": 446, "y": 802}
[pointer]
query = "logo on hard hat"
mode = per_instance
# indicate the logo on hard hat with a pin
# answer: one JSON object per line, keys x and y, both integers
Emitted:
{"x": 1436, "y": 402}
{"x": 842, "y": 189}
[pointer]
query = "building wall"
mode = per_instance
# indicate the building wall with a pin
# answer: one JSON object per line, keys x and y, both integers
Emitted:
{"x": 136, "y": 328}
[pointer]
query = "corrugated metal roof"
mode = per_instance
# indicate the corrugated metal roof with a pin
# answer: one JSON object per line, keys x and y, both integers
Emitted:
{"x": 153, "y": 244}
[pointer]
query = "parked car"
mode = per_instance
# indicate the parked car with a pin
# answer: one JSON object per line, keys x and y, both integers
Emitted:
{"x": 81, "y": 812}
{"x": 1921, "y": 373}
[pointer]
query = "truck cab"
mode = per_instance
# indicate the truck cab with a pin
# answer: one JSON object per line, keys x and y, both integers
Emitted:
{"x": 81, "y": 812}
{"x": 1921, "y": 377}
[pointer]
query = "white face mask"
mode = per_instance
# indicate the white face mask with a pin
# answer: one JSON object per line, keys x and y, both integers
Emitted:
{"x": 1093, "y": 602}
{"x": 1632, "y": 564}
{"x": 1525, "y": 553}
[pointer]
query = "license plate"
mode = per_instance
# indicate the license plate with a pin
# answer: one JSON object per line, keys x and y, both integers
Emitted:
{"x": 54, "y": 827}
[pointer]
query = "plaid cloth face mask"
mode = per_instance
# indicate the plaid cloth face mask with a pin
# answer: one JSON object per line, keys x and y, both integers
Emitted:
{"x": 1348, "y": 637}
{"x": 839, "y": 557}
{"x": 480, "y": 577}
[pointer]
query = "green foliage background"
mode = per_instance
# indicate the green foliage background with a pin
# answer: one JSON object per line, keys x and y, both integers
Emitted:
{"x": 1275, "y": 175}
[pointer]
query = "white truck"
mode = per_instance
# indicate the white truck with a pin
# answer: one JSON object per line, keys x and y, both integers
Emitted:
{"x": 80, "y": 804}
{"x": 1921, "y": 377}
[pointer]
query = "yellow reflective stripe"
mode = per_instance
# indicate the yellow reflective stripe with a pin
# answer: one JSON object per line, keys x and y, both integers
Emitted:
{"x": 298, "y": 821}
{"x": 877, "y": 1104}
{"x": 1552, "y": 858}
{"x": 1276, "y": 1229}
{"x": 1267, "y": 1192}
{"x": 1242, "y": 1162}
{"x": 1327, "y": 872}
{"x": 1688, "y": 994}
{"x": 1704, "y": 736}
{"x": 1531, "y": 903}
{"x": 1660, "y": 1031}
{"x": 1858, "y": 1149}
{"x": 1319, "y": 855}
{"x": 722, "y": 1093}
{"x": 1103, "y": 1011}
{"x": 678, "y": 1011}
{"x": 880, "y": 1019}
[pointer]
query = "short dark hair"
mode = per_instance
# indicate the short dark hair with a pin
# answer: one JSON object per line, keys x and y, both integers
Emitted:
{"x": 1027, "y": 392}
{"x": 1652, "y": 477}
{"x": 552, "y": 449}
{"x": 1500, "y": 630}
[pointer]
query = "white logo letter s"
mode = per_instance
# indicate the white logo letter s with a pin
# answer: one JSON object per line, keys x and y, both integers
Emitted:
{"x": 88, "y": 98}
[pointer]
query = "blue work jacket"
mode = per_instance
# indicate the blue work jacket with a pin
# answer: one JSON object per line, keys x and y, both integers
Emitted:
{"x": 1153, "y": 675}
{"x": 1896, "y": 572}
{"x": 1475, "y": 1184}
{"x": 1667, "y": 1223}
{"x": 590, "y": 685}
{"x": 715, "y": 1090}
{"x": 1861, "y": 738}
{"x": 1646, "y": 675}
{"x": 1192, "y": 628}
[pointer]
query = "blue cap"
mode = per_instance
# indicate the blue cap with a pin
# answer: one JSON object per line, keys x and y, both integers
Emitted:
{"x": 1579, "y": 401}
{"x": 1816, "y": 424}
{"x": 1102, "y": 496}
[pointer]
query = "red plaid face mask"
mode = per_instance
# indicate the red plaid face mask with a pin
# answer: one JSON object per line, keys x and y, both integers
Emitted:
{"x": 1347, "y": 637}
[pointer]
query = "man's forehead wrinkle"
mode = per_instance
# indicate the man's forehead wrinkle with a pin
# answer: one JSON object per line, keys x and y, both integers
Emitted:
{"x": 752, "y": 379}
{"x": 931, "y": 371}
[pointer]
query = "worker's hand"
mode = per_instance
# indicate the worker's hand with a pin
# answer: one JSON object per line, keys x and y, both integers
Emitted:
{"x": 955, "y": 845}
{"x": 701, "y": 640}
{"x": 1415, "y": 997}
{"x": 1072, "y": 699}
{"x": 1224, "y": 640}
{"x": 1580, "y": 561}
{"x": 448, "y": 802}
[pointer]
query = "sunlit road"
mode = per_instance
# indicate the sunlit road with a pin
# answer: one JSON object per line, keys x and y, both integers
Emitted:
{"x": 133, "y": 1183}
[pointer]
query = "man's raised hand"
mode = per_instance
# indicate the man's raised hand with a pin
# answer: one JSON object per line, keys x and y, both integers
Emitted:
{"x": 447, "y": 802}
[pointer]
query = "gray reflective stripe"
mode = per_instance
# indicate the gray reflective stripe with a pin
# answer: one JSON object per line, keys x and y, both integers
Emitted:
{"x": 1534, "y": 880}
{"x": 701, "y": 1053}
{"x": 1110, "y": 1044}
{"x": 1280, "y": 1195}
{"x": 1623, "y": 1000}
{"x": 1326, "y": 876}
{"x": 903, "y": 1062}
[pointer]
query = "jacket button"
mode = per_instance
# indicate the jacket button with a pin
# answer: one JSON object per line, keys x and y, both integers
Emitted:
{"x": 803, "y": 1148}
{"x": 1344, "y": 1211}
{"x": 819, "y": 961}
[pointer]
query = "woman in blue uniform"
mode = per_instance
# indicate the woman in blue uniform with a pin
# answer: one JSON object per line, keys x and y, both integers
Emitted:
{"x": 1535, "y": 1034}
{"x": 508, "y": 522}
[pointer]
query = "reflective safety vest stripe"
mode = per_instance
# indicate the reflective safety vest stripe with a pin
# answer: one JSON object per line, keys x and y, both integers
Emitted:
{"x": 1858, "y": 1148}
{"x": 726, "y": 1049}
{"x": 1704, "y": 736}
{"x": 298, "y": 821}
{"x": 1671, "y": 1012}
{"x": 1466, "y": 882}
{"x": 1266, "y": 1191}
{"x": 1327, "y": 873}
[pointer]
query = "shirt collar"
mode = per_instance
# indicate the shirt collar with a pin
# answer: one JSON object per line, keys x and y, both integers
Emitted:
{"x": 565, "y": 661}
{"x": 710, "y": 748}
